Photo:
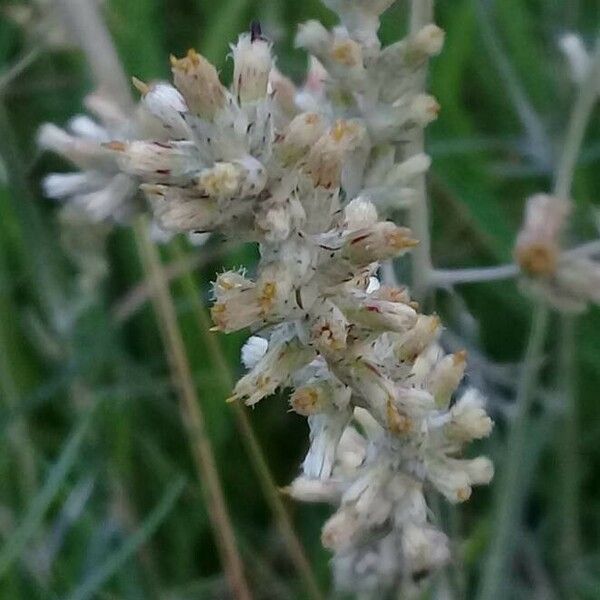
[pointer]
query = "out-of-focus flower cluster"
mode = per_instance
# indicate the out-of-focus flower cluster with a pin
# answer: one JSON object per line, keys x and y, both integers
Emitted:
{"x": 305, "y": 173}
{"x": 99, "y": 189}
{"x": 567, "y": 281}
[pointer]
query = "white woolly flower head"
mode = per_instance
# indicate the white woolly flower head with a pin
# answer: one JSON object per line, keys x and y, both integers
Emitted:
{"x": 309, "y": 175}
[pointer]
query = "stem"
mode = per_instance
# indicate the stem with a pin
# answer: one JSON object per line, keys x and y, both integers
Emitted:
{"x": 582, "y": 110}
{"x": 257, "y": 457}
{"x": 511, "y": 489}
{"x": 539, "y": 144}
{"x": 570, "y": 544}
{"x": 418, "y": 216}
{"x": 83, "y": 19}
{"x": 421, "y": 14}
{"x": 136, "y": 297}
{"x": 568, "y": 493}
{"x": 448, "y": 277}
{"x": 192, "y": 416}
{"x": 441, "y": 278}
{"x": 21, "y": 65}
{"x": 586, "y": 249}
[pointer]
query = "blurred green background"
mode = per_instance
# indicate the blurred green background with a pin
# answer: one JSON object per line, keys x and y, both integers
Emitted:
{"x": 93, "y": 458}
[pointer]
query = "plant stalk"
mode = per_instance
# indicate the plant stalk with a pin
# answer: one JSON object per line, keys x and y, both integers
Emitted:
{"x": 511, "y": 489}
{"x": 418, "y": 216}
{"x": 84, "y": 20}
{"x": 568, "y": 493}
{"x": 192, "y": 416}
{"x": 570, "y": 543}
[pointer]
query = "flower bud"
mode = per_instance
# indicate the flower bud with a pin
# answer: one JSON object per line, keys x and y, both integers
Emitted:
{"x": 237, "y": 305}
{"x": 244, "y": 177}
{"x": 538, "y": 246}
{"x": 382, "y": 315}
{"x": 341, "y": 530}
{"x": 220, "y": 181}
{"x": 284, "y": 93}
{"x": 251, "y": 66}
{"x": 406, "y": 171}
{"x": 109, "y": 201}
{"x": 157, "y": 162}
{"x": 63, "y": 185}
{"x": 163, "y": 101}
{"x": 468, "y": 419}
{"x": 427, "y": 42}
{"x": 325, "y": 160}
{"x": 181, "y": 209}
{"x": 449, "y": 478}
{"x": 310, "y": 399}
{"x": 408, "y": 346}
{"x": 273, "y": 370}
{"x": 480, "y": 470}
{"x": 423, "y": 110}
{"x": 424, "y": 549}
{"x": 578, "y": 282}
{"x": 410, "y": 54}
{"x": 198, "y": 82}
{"x": 305, "y": 489}
{"x": 352, "y": 449}
{"x": 329, "y": 328}
{"x": 381, "y": 241}
{"x": 377, "y": 390}
{"x": 359, "y": 213}
{"x": 313, "y": 37}
{"x": 325, "y": 432}
{"x": 300, "y": 135}
{"x": 446, "y": 376}
{"x": 346, "y": 52}
{"x": 394, "y": 294}
{"x": 312, "y": 94}
{"x": 84, "y": 153}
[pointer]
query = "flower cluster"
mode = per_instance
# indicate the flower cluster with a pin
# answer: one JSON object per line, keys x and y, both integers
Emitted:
{"x": 100, "y": 189}
{"x": 568, "y": 281}
{"x": 306, "y": 173}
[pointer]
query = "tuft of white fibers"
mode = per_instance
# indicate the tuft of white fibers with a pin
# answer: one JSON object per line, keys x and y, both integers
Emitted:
{"x": 253, "y": 350}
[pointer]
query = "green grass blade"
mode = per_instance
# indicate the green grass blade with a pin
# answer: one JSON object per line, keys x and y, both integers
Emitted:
{"x": 59, "y": 472}
{"x": 92, "y": 584}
